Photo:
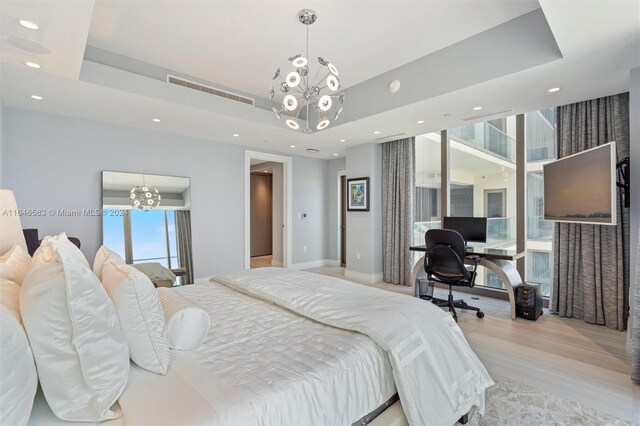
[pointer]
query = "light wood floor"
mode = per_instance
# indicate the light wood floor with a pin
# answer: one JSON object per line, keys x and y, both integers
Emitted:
{"x": 567, "y": 357}
{"x": 261, "y": 261}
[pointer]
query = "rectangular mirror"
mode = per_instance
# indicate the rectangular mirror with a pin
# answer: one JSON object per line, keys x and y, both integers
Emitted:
{"x": 147, "y": 221}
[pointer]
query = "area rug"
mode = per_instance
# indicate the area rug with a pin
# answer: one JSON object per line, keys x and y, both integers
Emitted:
{"x": 510, "y": 402}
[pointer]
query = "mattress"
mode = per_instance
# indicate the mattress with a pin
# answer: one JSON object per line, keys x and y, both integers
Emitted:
{"x": 261, "y": 364}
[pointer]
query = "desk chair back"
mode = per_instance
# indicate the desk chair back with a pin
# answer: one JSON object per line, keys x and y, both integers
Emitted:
{"x": 445, "y": 256}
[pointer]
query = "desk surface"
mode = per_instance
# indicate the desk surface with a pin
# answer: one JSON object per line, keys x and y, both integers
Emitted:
{"x": 485, "y": 252}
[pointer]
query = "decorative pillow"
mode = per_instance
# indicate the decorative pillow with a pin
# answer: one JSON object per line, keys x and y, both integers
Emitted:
{"x": 80, "y": 351}
{"x": 102, "y": 255}
{"x": 18, "y": 377}
{"x": 141, "y": 316}
{"x": 65, "y": 245}
{"x": 187, "y": 324}
{"x": 14, "y": 264}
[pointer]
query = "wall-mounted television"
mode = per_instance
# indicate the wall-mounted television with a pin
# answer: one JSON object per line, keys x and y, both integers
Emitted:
{"x": 581, "y": 188}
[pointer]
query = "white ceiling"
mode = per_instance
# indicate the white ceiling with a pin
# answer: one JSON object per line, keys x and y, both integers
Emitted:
{"x": 599, "y": 41}
{"x": 240, "y": 44}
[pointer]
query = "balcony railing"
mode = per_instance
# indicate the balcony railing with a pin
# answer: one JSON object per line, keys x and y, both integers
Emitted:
{"x": 539, "y": 229}
{"x": 486, "y": 137}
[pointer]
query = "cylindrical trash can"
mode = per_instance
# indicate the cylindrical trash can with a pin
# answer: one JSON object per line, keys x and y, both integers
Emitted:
{"x": 425, "y": 288}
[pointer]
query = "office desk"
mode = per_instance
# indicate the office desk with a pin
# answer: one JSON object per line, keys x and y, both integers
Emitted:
{"x": 496, "y": 260}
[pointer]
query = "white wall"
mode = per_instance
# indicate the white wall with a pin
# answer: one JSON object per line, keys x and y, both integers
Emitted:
{"x": 364, "y": 229}
{"x": 54, "y": 162}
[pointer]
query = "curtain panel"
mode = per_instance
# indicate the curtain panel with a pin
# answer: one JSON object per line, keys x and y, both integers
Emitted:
{"x": 183, "y": 234}
{"x": 591, "y": 262}
{"x": 398, "y": 187}
{"x": 635, "y": 324}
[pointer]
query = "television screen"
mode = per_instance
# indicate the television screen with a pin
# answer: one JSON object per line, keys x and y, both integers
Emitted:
{"x": 582, "y": 187}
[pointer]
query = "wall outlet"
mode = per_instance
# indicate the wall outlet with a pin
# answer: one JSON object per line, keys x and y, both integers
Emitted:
{"x": 304, "y": 249}
{"x": 358, "y": 256}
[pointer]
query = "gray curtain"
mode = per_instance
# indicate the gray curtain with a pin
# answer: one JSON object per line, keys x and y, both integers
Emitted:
{"x": 398, "y": 171}
{"x": 183, "y": 233}
{"x": 591, "y": 262}
{"x": 635, "y": 331}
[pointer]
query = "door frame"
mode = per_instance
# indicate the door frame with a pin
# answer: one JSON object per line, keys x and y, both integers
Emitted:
{"x": 287, "y": 183}
{"x": 339, "y": 215}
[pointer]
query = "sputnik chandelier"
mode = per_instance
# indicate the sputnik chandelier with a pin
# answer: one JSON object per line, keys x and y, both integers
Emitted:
{"x": 303, "y": 93}
{"x": 145, "y": 197}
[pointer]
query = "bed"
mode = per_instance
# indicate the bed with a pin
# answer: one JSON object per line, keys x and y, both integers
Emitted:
{"x": 268, "y": 361}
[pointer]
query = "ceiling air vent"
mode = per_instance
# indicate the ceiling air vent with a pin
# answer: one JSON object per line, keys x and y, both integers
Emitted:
{"x": 207, "y": 89}
{"x": 391, "y": 136}
{"x": 313, "y": 150}
{"x": 477, "y": 117}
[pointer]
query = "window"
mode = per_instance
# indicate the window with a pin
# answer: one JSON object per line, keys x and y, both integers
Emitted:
{"x": 483, "y": 182}
{"x": 143, "y": 236}
{"x": 541, "y": 149}
{"x": 427, "y": 213}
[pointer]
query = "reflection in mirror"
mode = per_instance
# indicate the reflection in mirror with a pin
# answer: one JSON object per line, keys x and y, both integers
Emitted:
{"x": 147, "y": 221}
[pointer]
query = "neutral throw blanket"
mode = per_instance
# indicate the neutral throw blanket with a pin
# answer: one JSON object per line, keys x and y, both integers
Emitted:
{"x": 438, "y": 376}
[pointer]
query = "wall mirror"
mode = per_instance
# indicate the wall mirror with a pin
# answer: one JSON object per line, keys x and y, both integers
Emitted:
{"x": 147, "y": 221}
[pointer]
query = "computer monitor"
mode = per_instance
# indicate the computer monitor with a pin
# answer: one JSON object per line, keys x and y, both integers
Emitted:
{"x": 472, "y": 229}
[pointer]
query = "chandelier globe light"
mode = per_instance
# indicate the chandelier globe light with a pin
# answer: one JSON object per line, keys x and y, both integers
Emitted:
{"x": 300, "y": 92}
{"x": 144, "y": 197}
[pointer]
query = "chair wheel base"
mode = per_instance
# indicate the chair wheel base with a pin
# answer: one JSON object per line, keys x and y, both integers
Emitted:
{"x": 480, "y": 314}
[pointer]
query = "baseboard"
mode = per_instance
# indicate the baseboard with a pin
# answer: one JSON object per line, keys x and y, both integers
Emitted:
{"x": 360, "y": 276}
{"x": 314, "y": 264}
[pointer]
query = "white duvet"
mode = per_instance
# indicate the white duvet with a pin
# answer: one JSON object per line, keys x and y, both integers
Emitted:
{"x": 261, "y": 364}
{"x": 438, "y": 376}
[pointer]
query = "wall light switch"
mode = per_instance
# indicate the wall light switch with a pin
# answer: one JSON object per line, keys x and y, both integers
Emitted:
{"x": 299, "y": 215}
{"x": 358, "y": 256}
{"x": 304, "y": 249}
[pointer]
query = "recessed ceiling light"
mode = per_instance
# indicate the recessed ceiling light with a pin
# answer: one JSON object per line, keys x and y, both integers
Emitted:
{"x": 343, "y": 140}
{"x": 553, "y": 89}
{"x": 292, "y": 146}
{"x": 377, "y": 132}
{"x": 28, "y": 24}
{"x": 32, "y": 64}
{"x": 155, "y": 120}
{"x": 36, "y": 97}
{"x": 478, "y": 108}
{"x": 235, "y": 135}
{"x": 420, "y": 121}
{"x": 335, "y": 154}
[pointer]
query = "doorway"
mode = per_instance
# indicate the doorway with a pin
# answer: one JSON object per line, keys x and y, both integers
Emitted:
{"x": 267, "y": 210}
{"x": 261, "y": 217}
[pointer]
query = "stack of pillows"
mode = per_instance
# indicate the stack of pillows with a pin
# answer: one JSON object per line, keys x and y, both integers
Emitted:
{"x": 81, "y": 327}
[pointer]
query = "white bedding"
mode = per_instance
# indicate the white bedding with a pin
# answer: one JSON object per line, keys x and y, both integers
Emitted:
{"x": 261, "y": 364}
{"x": 439, "y": 378}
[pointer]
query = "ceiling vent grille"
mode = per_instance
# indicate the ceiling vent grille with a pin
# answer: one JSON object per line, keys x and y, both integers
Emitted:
{"x": 390, "y": 136}
{"x": 210, "y": 90}
{"x": 478, "y": 117}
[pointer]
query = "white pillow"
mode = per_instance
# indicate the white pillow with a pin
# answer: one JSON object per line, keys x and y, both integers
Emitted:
{"x": 102, "y": 255}
{"x": 14, "y": 264}
{"x": 67, "y": 246}
{"x": 80, "y": 351}
{"x": 187, "y": 324}
{"x": 18, "y": 377}
{"x": 141, "y": 316}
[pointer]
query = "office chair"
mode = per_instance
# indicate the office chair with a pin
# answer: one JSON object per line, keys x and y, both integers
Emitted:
{"x": 444, "y": 263}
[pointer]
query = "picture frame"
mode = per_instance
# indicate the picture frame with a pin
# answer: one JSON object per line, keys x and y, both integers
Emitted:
{"x": 358, "y": 194}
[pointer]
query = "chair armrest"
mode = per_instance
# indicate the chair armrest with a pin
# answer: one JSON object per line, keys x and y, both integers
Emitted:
{"x": 474, "y": 258}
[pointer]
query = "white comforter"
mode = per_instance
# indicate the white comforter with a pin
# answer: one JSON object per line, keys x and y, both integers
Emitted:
{"x": 261, "y": 364}
{"x": 437, "y": 375}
